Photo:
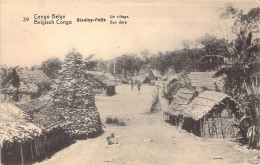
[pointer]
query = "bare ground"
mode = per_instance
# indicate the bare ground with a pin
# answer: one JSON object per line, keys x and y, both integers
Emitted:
{"x": 147, "y": 139}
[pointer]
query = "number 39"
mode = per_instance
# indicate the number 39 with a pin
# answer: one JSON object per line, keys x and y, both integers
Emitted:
{"x": 25, "y": 19}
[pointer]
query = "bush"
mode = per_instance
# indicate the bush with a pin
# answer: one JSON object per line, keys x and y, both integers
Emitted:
{"x": 109, "y": 120}
{"x": 115, "y": 121}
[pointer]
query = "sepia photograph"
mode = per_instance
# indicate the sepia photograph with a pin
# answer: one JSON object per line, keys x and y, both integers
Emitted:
{"x": 121, "y": 82}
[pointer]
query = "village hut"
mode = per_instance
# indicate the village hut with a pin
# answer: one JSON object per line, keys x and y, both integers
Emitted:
{"x": 121, "y": 79}
{"x": 154, "y": 75}
{"x": 31, "y": 84}
{"x": 16, "y": 134}
{"x": 211, "y": 115}
{"x": 148, "y": 78}
{"x": 206, "y": 81}
{"x": 53, "y": 138}
{"x": 102, "y": 82}
{"x": 144, "y": 79}
{"x": 181, "y": 100}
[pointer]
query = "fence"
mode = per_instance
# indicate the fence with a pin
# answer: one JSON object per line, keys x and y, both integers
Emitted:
{"x": 36, "y": 149}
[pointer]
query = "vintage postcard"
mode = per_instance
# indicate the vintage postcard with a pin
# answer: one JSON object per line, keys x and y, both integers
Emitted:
{"x": 147, "y": 82}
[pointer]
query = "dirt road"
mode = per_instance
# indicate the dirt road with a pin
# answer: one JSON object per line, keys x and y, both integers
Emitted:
{"x": 147, "y": 139}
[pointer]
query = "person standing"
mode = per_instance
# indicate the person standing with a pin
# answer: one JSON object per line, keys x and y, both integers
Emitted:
{"x": 139, "y": 86}
{"x": 132, "y": 84}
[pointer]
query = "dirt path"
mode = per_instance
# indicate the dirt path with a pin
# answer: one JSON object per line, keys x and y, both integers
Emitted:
{"x": 147, "y": 139}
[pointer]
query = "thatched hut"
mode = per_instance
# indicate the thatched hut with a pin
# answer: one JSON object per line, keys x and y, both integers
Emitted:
{"x": 181, "y": 100}
{"x": 102, "y": 82}
{"x": 16, "y": 134}
{"x": 143, "y": 78}
{"x": 121, "y": 79}
{"x": 31, "y": 84}
{"x": 211, "y": 114}
{"x": 52, "y": 138}
{"x": 154, "y": 75}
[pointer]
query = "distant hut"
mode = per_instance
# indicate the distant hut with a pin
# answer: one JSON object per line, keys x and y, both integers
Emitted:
{"x": 206, "y": 81}
{"x": 102, "y": 82}
{"x": 122, "y": 79}
{"x": 212, "y": 115}
{"x": 16, "y": 135}
{"x": 144, "y": 79}
{"x": 154, "y": 75}
{"x": 181, "y": 100}
{"x": 32, "y": 84}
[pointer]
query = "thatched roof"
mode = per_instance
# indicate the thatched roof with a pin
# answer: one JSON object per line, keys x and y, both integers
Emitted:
{"x": 181, "y": 100}
{"x": 174, "y": 82}
{"x": 205, "y": 79}
{"x": 106, "y": 79}
{"x": 14, "y": 125}
{"x": 141, "y": 78}
{"x": 122, "y": 78}
{"x": 23, "y": 89}
{"x": 30, "y": 81}
{"x": 156, "y": 73}
{"x": 42, "y": 113}
{"x": 204, "y": 103}
{"x": 33, "y": 105}
{"x": 171, "y": 79}
{"x": 33, "y": 77}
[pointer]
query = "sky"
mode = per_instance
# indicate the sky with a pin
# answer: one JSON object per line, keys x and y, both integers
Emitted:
{"x": 153, "y": 25}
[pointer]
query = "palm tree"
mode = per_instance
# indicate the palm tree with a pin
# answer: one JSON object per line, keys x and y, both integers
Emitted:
{"x": 241, "y": 71}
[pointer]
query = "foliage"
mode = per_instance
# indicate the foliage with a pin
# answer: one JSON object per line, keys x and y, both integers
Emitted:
{"x": 126, "y": 63}
{"x": 15, "y": 79}
{"x": 90, "y": 64}
{"x": 73, "y": 97}
{"x": 16, "y": 84}
{"x": 241, "y": 68}
{"x": 51, "y": 67}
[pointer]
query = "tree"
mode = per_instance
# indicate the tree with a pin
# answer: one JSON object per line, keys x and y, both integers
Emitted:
{"x": 127, "y": 62}
{"x": 16, "y": 84}
{"x": 51, "y": 67}
{"x": 241, "y": 67}
{"x": 145, "y": 53}
{"x": 186, "y": 44}
{"x": 213, "y": 45}
{"x": 73, "y": 97}
{"x": 101, "y": 65}
{"x": 90, "y": 64}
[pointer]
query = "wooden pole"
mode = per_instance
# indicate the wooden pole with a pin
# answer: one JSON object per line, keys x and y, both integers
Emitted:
{"x": 204, "y": 127}
{"x": 209, "y": 129}
{"x": 221, "y": 127}
{"x": 31, "y": 149}
{"x": 21, "y": 147}
{"x": 35, "y": 146}
{"x": 201, "y": 128}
